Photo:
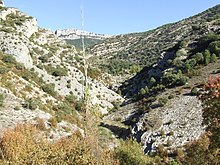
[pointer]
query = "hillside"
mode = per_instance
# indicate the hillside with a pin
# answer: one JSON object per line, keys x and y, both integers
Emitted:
{"x": 141, "y": 98}
{"x": 88, "y": 42}
{"x": 46, "y": 71}
{"x": 74, "y": 37}
{"x": 126, "y": 54}
{"x": 161, "y": 104}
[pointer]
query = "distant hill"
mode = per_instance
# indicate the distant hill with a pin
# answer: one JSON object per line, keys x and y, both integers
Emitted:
{"x": 73, "y": 36}
{"x": 89, "y": 42}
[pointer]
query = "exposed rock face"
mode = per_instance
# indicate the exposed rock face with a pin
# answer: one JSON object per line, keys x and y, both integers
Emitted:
{"x": 27, "y": 43}
{"x": 172, "y": 126}
{"x": 10, "y": 117}
{"x": 27, "y": 25}
{"x": 15, "y": 46}
{"x": 72, "y": 34}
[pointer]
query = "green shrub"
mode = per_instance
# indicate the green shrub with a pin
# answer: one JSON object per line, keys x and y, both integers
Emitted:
{"x": 152, "y": 81}
{"x": 180, "y": 53}
{"x": 79, "y": 105}
{"x": 44, "y": 58}
{"x": 174, "y": 79}
{"x": 58, "y": 71}
{"x": 214, "y": 47}
{"x": 49, "y": 88}
{"x": 19, "y": 66}
{"x": 198, "y": 57}
{"x": 213, "y": 58}
{"x": 162, "y": 101}
{"x": 144, "y": 91}
{"x": 17, "y": 108}
{"x": 26, "y": 75}
{"x": 3, "y": 70}
{"x": 129, "y": 152}
{"x": 116, "y": 105}
{"x": 171, "y": 96}
{"x": 68, "y": 85}
{"x": 1, "y": 99}
{"x": 134, "y": 69}
{"x": 196, "y": 27}
{"x": 65, "y": 108}
{"x": 207, "y": 57}
{"x": 191, "y": 63}
{"x": 9, "y": 59}
{"x": 178, "y": 63}
{"x": 71, "y": 98}
{"x": 181, "y": 80}
{"x": 209, "y": 38}
{"x": 31, "y": 104}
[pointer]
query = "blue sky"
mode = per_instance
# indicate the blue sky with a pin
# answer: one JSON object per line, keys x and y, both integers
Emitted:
{"x": 110, "y": 16}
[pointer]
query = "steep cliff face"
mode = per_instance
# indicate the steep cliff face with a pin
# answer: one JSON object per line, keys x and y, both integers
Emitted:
{"x": 71, "y": 34}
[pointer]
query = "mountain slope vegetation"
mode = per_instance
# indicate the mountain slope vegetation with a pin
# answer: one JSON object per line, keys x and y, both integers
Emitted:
{"x": 144, "y": 49}
{"x": 161, "y": 105}
{"x": 48, "y": 116}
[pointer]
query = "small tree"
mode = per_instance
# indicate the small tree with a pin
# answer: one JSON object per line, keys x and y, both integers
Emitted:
{"x": 207, "y": 57}
{"x": 214, "y": 47}
{"x": 152, "y": 81}
{"x": 142, "y": 91}
{"x": 213, "y": 58}
{"x": 198, "y": 57}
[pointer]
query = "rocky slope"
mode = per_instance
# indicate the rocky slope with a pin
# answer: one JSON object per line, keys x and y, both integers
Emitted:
{"x": 45, "y": 69}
